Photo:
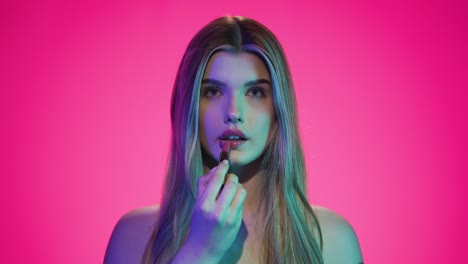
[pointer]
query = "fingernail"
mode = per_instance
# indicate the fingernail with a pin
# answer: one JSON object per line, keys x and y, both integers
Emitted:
{"x": 226, "y": 162}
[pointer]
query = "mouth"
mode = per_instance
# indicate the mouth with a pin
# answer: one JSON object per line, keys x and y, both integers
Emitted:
{"x": 233, "y": 141}
{"x": 233, "y": 137}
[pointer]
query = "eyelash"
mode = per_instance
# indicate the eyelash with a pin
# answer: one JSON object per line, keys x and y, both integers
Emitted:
{"x": 258, "y": 89}
{"x": 207, "y": 90}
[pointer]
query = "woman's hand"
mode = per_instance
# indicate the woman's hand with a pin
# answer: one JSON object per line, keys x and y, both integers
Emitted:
{"x": 216, "y": 218}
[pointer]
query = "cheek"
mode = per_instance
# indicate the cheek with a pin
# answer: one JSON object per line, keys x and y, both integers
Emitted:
{"x": 208, "y": 127}
{"x": 273, "y": 130}
{"x": 266, "y": 123}
{"x": 205, "y": 124}
{"x": 263, "y": 123}
{"x": 201, "y": 125}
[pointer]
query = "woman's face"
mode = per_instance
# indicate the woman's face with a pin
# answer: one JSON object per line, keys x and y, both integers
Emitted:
{"x": 236, "y": 106}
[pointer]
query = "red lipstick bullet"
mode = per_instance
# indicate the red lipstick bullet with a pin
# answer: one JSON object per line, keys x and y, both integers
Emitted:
{"x": 225, "y": 149}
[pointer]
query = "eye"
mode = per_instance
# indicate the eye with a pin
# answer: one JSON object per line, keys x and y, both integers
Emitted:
{"x": 210, "y": 91}
{"x": 258, "y": 92}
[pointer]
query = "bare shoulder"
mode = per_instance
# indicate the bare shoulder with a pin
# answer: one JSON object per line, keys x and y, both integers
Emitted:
{"x": 340, "y": 243}
{"x": 130, "y": 235}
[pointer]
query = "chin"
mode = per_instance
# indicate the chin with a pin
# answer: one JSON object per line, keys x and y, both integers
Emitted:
{"x": 236, "y": 163}
{"x": 242, "y": 161}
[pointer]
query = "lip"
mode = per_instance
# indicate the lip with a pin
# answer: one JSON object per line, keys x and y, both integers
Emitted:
{"x": 233, "y": 143}
{"x": 232, "y": 132}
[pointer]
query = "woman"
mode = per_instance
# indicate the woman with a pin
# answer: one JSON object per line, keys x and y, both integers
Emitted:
{"x": 233, "y": 91}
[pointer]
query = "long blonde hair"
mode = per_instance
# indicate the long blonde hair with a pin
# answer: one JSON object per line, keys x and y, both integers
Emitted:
{"x": 292, "y": 233}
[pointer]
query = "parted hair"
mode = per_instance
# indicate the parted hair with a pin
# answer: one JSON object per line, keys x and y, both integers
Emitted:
{"x": 291, "y": 233}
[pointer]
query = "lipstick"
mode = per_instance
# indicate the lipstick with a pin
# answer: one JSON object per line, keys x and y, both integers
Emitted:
{"x": 225, "y": 149}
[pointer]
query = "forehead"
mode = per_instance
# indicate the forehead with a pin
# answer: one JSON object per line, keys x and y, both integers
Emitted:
{"x": 230, "y": 66}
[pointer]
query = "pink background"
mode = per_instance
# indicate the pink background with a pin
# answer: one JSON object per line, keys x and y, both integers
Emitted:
{"x": 85, "y": 116}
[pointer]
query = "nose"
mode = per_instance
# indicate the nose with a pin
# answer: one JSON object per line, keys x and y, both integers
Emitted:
{"x": 234, "y": 113}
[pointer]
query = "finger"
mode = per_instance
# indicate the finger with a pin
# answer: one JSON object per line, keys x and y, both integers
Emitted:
{"x": 202, "y": 183}
{"x": 228, "y": 192}
{"x": 237, "y": 213}
{"x": 215, "y": 181}
{"x": 239, "y": 198}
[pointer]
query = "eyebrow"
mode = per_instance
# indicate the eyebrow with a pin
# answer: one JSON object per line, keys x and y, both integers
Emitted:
{"x": 250, "y": 83}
